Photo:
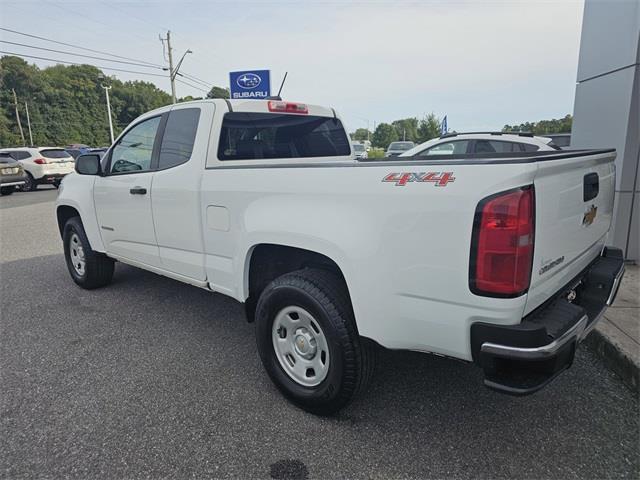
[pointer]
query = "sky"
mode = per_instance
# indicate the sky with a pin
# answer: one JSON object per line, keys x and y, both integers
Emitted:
{"x": 483, "y": 64}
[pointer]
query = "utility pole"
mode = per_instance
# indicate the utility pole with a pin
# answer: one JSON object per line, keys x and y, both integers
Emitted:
{"x": 26, "y": 107}
{"x": 106, "y": 91}
{"x": 173, "y": 72}
{"x": 15, "y": 104}
{"x": 172, "y": 77}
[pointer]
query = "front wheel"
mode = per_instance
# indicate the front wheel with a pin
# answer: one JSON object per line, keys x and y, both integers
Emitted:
{"x": 7, "y": 190}
{"x": 88, "y": 268}
{"x": 308, "y": 341}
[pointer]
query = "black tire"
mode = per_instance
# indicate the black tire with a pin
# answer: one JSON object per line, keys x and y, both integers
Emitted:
{"x": 7, "y": 190}
{"x": 56, "y": 183}
{"x": 98, "y": 268}
{"x": 30, "y": 184}
{"x": 324, "y": 295}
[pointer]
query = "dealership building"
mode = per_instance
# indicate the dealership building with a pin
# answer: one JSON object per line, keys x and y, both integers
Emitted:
{"x": 607, "y": 105}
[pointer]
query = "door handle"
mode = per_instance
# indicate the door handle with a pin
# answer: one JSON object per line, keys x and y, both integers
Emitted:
{"x": 138, "y": 191}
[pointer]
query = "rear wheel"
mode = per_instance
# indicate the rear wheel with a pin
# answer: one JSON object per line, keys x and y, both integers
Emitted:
{"x": 308, "y": 341}
{"x": 89, "y": 269}
{"x": 29, "y": 184}
{"x": 7, "y": 190}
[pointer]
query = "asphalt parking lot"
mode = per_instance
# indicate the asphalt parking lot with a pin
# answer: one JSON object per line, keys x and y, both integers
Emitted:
{"x": 152, "y": 378}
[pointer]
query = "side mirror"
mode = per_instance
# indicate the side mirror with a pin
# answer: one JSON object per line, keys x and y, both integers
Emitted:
{"x": 88, "y": 164}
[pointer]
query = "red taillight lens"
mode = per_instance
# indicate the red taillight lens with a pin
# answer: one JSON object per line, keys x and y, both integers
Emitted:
{"x": 287, "y": 107}
{"x": 502, "y": 244}
{"x": 40, "y": 161}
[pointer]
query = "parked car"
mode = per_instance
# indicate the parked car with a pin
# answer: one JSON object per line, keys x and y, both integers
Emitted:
{"x": 76, "y": 152}
{"x": 12, "y": 174}
{"x": 359, "y": 151}
{"x": 497, "y": 261}
{"x": 43, "y": 165}
{"x": 397, "y": 148}
{"x": 481, "y": 143}
{"x": 562, "y": 140}
{"x": 99, "y": 150}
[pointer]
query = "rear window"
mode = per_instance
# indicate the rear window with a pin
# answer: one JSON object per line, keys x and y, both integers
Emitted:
{"x": 254, "y": 136}
{"x": 55, "y": 153}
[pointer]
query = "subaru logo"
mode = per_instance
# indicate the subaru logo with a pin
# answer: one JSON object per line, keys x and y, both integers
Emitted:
{"x": 248, "y": 80}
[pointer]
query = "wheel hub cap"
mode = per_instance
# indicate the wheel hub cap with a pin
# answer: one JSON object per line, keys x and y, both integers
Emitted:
{"x": 305, "y": 344}
{"x": 300, "y": 346}
{"x": 76, "y": 252}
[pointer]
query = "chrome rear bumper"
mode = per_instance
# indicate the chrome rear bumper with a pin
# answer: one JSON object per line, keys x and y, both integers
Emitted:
{"x": 521, "y": 359}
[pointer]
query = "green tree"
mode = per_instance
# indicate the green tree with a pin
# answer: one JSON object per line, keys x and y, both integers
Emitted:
{"x": 384, "y": 135}
{"x": 218, "y": 92}
{"x": 429, "y": 128}
{"x": 407, "y": 129}
{"x": 360, "y": 135}
{"x": 541, "y": 127}
{"x": 67, "y": 103}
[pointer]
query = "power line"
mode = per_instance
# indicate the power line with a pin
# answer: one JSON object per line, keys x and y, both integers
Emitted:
{"x": 192, "y": 86}
{"x": 113, "y": 5}
{"x": 78, "y": 47}
{"x": 79, "y": 54}
{"x": 198, "y": 80}
{"x": 110, "y": 27}
{"x": 76, "y": 63}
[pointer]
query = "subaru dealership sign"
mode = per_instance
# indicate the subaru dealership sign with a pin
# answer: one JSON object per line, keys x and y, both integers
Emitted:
{"x": 250, "y": 84}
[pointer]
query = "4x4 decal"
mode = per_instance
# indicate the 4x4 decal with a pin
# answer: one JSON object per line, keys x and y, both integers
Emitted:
{"x": 440, "y": 179}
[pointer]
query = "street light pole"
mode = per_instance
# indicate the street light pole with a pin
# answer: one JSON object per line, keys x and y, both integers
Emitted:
{"x": 106, "y": 91}
{"x": 26, "y": 107}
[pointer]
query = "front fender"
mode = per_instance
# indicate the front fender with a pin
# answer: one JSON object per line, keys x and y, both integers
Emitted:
{"x": 76, "y": 191}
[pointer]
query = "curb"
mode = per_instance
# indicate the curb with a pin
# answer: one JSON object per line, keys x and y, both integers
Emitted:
{"x": 615, "y": 359}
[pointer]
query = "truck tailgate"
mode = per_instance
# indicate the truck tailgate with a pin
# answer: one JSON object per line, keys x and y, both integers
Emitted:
{"x": 574, "y": 207}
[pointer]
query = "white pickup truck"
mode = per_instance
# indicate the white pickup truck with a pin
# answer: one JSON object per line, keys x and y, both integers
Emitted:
{"x": 497, "y": 259}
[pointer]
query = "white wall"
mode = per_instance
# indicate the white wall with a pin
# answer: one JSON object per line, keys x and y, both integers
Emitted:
{"x": 607, "y": 104}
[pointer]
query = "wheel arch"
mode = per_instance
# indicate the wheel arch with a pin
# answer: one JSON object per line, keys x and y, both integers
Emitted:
{"x": 68, "y": 209}
{"x": 63, "y": 214}
{"x": 266, "y": 261}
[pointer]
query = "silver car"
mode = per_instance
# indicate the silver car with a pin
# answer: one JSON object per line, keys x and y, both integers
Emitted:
{"x": 398, "y": 148}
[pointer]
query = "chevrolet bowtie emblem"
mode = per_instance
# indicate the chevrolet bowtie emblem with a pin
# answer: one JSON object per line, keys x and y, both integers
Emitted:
{"x": 589, "y": 216}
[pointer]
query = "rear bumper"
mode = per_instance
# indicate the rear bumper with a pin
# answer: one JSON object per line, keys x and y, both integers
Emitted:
{"x": 521, "y": 359}
{"x": 51, "y": 178}
{"x": 12, "y": 180}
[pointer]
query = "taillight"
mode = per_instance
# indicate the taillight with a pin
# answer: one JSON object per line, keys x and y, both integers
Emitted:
{"x": 287, "y": 107}
{"x": 40, "y": 161}
{"x": 502, "y": 244}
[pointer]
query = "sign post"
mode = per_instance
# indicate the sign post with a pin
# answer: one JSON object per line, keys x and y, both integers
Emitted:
{"x": 250, "y": 85}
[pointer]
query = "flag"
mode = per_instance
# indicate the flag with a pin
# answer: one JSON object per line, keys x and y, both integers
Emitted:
{"x": 443, "y": 126}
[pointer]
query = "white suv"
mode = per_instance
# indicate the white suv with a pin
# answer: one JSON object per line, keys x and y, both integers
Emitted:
{"x": 42, "y": 164}
{"x": 478, "y": 143}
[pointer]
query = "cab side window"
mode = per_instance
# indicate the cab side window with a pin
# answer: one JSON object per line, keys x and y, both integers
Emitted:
{"x": 179, "y": 136}
{"x": 458, "y": 147}
{"x": 531, "y": 148}
{"x": 133, "y": 152}
{"x": 495, "y": 146}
